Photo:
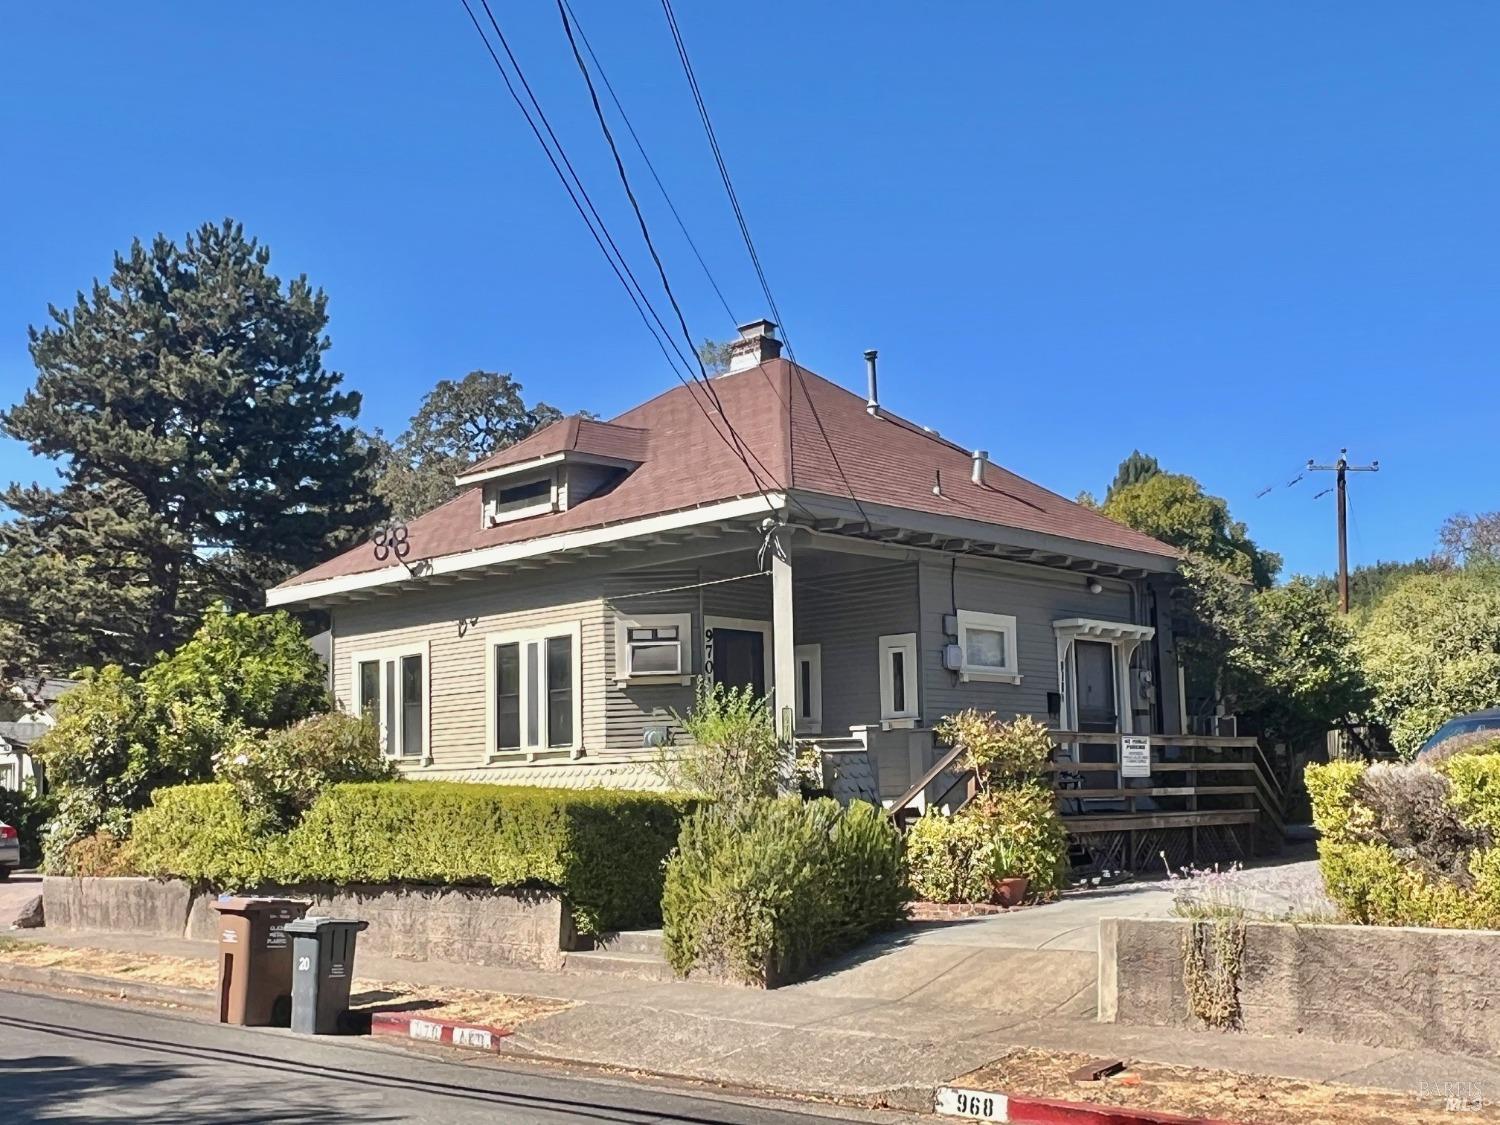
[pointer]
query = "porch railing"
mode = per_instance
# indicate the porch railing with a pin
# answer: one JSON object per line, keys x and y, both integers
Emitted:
{"x": 1196, "y": 781}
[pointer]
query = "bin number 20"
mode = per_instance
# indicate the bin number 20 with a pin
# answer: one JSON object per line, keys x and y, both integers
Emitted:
{"x": 304, "y": 964}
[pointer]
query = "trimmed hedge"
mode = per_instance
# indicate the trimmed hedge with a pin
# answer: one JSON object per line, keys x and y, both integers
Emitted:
{"x": 1412, "y": 845}
{"x": 603, "y": 848}
{"x": 760, "y": 892}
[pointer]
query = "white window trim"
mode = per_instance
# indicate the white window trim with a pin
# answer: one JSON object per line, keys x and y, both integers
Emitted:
{"x": 889, "y": 714}
{"x": 623, "y": 625}
{"x": 812, "y": 723}
{"x": 746, "y": 625}
{"x": 522, "y": 637}
{"x": 552, "y": 501}
{"x": 1004, "y": 623}
{"x": 381, "y": 656}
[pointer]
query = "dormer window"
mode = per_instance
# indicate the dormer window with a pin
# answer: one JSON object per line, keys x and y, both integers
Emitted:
{"x": 506, "y": 500}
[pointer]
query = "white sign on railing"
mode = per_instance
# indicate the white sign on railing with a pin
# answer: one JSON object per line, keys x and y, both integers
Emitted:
{"x": 1135, "y": 755}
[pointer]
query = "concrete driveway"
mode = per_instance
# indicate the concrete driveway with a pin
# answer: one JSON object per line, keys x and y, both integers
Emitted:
{"x": 15, "y": 892}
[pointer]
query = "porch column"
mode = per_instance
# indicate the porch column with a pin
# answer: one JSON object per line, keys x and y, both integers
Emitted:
{"x": 783, "y": 642}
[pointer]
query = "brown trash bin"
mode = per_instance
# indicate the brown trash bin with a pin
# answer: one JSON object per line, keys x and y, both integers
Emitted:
{"x": 255, "y": 960}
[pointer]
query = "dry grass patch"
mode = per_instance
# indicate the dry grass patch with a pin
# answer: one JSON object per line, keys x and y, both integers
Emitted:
{"x": 1195, "y": 1092}
{"x": 491, "y": 1009}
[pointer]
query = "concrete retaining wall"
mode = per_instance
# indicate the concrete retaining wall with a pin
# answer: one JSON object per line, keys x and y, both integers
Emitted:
{"x": 467, "y": 925}
{"x": 1383, "y": 986}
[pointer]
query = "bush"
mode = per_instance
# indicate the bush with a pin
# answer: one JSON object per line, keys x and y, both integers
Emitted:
{"x": 1002, "y": 754}
{"x": 1029, "y": 836}
{"x": 27, "y": 813}
{"x": 603, "y": 848}
{"x": 734, "y": 755}
{"x": 278, "y": 775}
{"x": 947, "y": 858}
{"x": 1411, "y": 845}
{"x": 759, "y": 892}
{"x": 100, "y": 855}
{"x": 204, "y": 833}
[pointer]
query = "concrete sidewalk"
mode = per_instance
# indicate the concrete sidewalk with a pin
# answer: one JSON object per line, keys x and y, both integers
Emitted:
{"x": 886, "y": 1025}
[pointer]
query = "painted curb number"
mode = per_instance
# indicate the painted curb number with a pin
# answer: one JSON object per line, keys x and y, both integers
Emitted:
{"x": 983, "y": 1105}
{"x": 472, "y": 1037}
{"x": 422, "y": 1029}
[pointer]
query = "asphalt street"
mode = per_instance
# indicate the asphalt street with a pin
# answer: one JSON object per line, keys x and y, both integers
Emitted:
{"x": 79, "y": 1061}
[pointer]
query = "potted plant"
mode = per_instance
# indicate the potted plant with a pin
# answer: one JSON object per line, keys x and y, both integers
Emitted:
{"x": 1006, "y": 887}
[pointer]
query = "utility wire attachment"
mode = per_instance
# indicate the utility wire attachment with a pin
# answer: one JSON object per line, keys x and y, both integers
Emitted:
{"x": 1341, "y": 468}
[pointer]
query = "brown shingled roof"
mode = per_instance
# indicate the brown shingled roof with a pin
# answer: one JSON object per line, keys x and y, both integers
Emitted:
{"x": 683, "y": 463}
{"x": 574, "y": 434}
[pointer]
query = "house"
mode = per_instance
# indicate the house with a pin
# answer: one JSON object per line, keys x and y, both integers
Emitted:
{"x": 870, "y": 575}
{"x": 26, "y": 713}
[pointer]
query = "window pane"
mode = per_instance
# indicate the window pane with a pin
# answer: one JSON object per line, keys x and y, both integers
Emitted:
{"x": 898, "y": 679}
{"x": 655, "y": 658}
{"x": 559, "y": 691}
{"x": 369, "y": 688}
{"x": 390, "y": 707}
{"x": 507, "y": 696}
{"x": 984, "y": 648}
{"x": 411, "y": 706}
{"x": 533, "y": 711}
{"x": 804, "y": 688}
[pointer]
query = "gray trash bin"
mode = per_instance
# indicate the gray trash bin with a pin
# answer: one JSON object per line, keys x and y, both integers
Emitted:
{"x": 322, "y": 969}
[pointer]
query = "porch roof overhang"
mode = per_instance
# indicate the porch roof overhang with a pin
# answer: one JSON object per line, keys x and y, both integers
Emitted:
{"x": 1091, "y": 629}
{"x": 838, "y": 516}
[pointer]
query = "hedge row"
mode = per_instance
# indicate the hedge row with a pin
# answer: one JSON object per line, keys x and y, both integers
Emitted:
{"x": 604, "y": 849}
{"x": 1412, "y": 845}
{"x": 759, "y": 893}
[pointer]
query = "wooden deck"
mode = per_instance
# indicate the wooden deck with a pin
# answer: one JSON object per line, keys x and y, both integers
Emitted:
{"x": 1208, "y": 799}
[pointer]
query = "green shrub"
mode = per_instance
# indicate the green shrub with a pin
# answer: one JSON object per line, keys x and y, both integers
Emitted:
{"x": 759, "y": 892}
{"x": 1474, "y": 784}
{"x": 603, "y": 848}
{"x": 278, "y": 775}
{"x": 947, "y": 858}
{"x": 204, "y": 833}
{"x": 1330, "y": 790}
{"x": 733, "y": 755}
{"x": 1029, "y": 837}
{"x": 27, "y": 813}
{"x": 99, "y": 855}
{"x": 1003, "y": 754}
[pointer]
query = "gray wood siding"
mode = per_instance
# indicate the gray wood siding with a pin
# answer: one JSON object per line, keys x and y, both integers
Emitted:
{"x": 1036, "y": 599}
{"x": 630, "y": 709}
{"x": 847, "y": 612}
{"x": 454, "y": 621}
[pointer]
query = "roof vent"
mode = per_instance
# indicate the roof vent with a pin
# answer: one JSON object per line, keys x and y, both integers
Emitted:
{"x": 756, "y": 345}
{"x": 981, "y": 456}
{"x": 873, "y": 405}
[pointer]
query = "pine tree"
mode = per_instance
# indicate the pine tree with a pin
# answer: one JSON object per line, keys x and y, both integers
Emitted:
{"x": 203, "y": 448}
{"x": 1134, "y": 469}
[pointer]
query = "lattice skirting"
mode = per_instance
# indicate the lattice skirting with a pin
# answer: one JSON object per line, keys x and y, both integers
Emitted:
{"x": 1151, "y": 851}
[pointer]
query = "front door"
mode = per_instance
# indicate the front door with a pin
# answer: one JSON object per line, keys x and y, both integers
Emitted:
{"x": 1098, "y": 709}
{"x": 739, "y": 657}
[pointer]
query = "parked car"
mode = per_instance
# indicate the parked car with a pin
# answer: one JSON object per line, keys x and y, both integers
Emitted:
{"x": 10, "y": 850}
{"x": 1464, "y": 724}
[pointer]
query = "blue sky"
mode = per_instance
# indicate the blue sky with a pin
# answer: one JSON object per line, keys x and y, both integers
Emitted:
{"x": 1236, "y": 236}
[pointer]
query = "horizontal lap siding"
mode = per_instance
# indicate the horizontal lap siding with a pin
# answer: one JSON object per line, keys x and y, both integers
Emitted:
{"x": 1036, "y": 599}
{"x": 454, "y": 622}
{"x": 629, "y": 710}
{"x": 846, "y": 614}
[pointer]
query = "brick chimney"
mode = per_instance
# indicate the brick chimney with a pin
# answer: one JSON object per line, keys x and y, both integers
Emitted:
{"x": 757, "y": 343}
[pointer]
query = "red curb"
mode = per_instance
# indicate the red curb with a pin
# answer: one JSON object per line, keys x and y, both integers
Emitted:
{"x": 1021, "y": 1110}
{"x": 474, "y": 1036}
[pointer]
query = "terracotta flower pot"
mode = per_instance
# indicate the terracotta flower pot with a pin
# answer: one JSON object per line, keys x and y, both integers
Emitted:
{"x": 1009, "y": 891}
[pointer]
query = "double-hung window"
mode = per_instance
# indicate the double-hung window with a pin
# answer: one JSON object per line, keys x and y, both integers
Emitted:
{"x": 390, "y": 686}
{"x": 809, "y": 689}
{"x": 653, "y": 645}
{"x": 898, "y": 677}
{"x": 533, "y": 690}
{"x": 987, "y": 642}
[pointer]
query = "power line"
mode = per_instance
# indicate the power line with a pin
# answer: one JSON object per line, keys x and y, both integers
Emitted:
{"x": 760, "y": 273}
{"x": 641, "y": 148}
{"x": 739, "y": 445}
{"x": 601, "y": 235}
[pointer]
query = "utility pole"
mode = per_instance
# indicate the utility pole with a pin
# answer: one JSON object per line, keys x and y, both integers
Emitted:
{"x": 1343, "y": 469}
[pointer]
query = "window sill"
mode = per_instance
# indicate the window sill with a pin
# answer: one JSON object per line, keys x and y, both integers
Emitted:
{"x": 989, "y": 677}
{"x": 538, "y": 757}
{"x": 815, "y": 731}
{"x": 660, "y": 679}
{"x": 904, "y": 722}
